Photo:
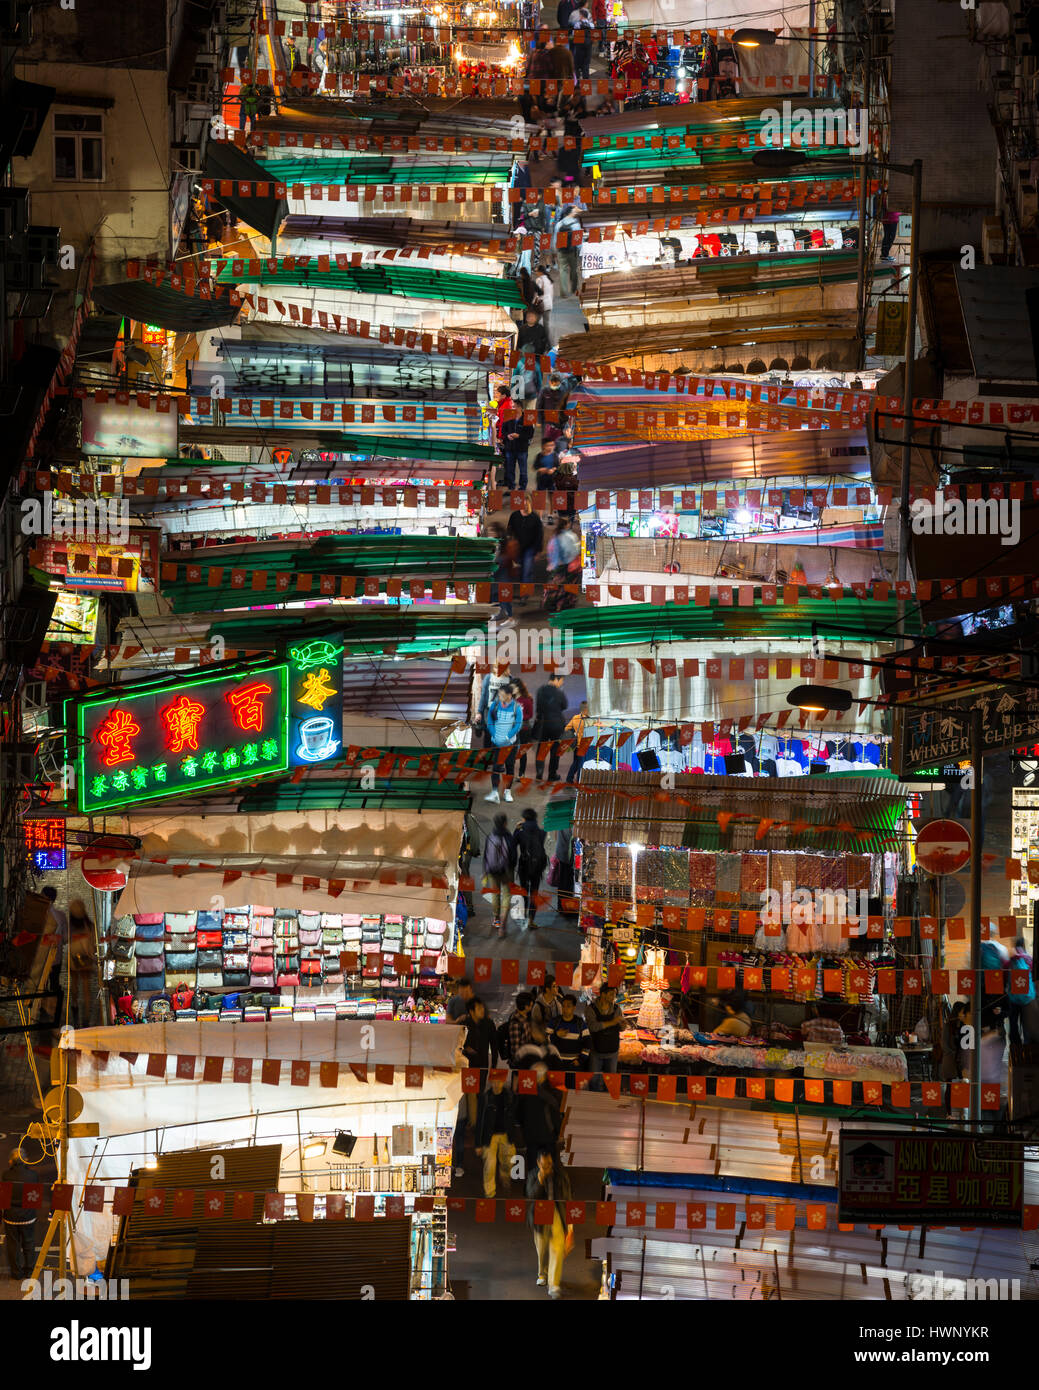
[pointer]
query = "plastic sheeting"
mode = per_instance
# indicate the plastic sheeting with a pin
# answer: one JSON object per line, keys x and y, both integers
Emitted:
{"x": 699, "y": 699}
{"x": 312, "y": 1040}
{"x": 353, "y": 845}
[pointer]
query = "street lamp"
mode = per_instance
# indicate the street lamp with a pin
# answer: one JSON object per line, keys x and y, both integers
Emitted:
{"x": 820, "y": 699}
{"x": 823, "y": 698}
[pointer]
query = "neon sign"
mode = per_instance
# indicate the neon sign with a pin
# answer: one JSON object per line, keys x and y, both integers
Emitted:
{"x": 180, "y": 736}
{"x": 45, "y": 842}
{"x": 315, "y": 702}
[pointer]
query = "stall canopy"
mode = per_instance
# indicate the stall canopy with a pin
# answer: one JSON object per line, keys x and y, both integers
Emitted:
{"x": 311, "y": 1040}
{"x": 838, "y": 811}
{"x": 858, "y": 620}
{"x": 225, "y": 161}
{"x": 165, "y": 307}
{"x": 350, "y": 845}
{"x": 656, "y": 697}
{"x": 793, "y": 453}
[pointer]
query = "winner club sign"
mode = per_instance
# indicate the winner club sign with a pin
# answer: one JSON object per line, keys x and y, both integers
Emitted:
{"x": 161, "y": 740}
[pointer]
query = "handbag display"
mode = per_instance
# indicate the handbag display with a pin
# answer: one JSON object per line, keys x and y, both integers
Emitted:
{"x": 125, "y": 969}
{"x": 210, "y": 980}
{"x": 235, "y": 938}
{"x": 262, "y": 911}
{"x": 287, "y": 981}
{"x": 148, "y": 948}
{"x": 181, "y": 962}
{"x": 206, "y": 940}
{"x": 282, "y": 913}
{"x": 236, "y": 960}
{"x": 148, "y": 919}
{"x": 261, "y": 965}
{"x": 310, "y": 936}
{"x": 235, "y": 979}
{"x": 210, "y": 960}
{"x": 208, "y": 921}
{"x": 331, "y": 936}
{"x": 150, "y": 931}
{"x": 238, "y": 920}
{"x": 310, "y": 966}
{"x": 287, "y": 965}
{"x": 331, "y": 921}
{"x": 181, "y": 921}
{"x": 310, "y": 920}
{"x": 125, "y": 927}
{"x": 261, "y": 981}
{"x": 263, "y": 945}
{"x": 119, "y": 948}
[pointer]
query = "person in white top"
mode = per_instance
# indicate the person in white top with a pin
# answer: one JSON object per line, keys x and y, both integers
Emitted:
{"x": 543, "y": 281}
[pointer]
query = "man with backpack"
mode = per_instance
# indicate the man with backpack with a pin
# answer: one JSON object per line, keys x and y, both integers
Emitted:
{"x": 499, "y": 865}
{"x": 531, "y": 860}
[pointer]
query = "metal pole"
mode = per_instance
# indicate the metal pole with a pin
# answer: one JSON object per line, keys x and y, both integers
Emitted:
{"x": 907, "y": 395}
{"x": 811, "y": 48}
{"x": 977, "y": 766}
{"x": 860, "y": 326}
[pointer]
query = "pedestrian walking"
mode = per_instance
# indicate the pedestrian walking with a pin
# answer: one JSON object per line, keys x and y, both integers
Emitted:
{"x": 547, "y": 1182}
{"x": 494, "y": 1134}
{"x": 549, "y": 723}
{"x": 499, "y": 865}
{"x": 531, "y": 860}
{"x": 525, "y": 526}
{"x": 504, "y": 718}
{"x": 569, "y": 1039}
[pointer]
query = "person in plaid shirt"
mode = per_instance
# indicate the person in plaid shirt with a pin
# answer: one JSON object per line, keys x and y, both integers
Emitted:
{"x": 520, "y": 1035}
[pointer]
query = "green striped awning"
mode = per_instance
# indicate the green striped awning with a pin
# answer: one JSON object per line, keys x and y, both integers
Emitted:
{"x": 452, "y": 287}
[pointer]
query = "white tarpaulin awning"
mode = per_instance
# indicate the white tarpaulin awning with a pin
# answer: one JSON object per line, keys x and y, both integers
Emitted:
{"x": 655, "y": 696}
{"x": 351, "y": 845}
{"x": 310, "y": 1040}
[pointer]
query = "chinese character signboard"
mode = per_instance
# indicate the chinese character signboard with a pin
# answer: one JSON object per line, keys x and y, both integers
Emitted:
{"x": 315, "y": 702}
{"x": 45, "y": 842}
{"x": 917, "y": 1179}
{"x": 103, "y": 566}
{"x": 183, "y": 736}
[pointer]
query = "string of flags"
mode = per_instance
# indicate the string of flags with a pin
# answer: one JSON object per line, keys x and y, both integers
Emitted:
{"x": 494, "y": 86}
{"x": 215, "y": 1204}
{"x": 645, "y": 1084}
{"x": 425, "y": 30}
{"x": 480, "y": 144}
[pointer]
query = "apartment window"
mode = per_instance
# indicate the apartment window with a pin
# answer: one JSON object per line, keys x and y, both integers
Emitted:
{"x": 79, "y": 147}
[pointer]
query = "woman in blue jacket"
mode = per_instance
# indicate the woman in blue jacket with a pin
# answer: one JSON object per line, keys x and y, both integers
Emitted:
{"x": 504, "y": 717}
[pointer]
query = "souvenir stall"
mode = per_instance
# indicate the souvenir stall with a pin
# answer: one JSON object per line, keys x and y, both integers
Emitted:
{"x": 264, "y": 931}
{"x": 1024, "y": 840}
{"x": 357, "y": 1112}
{"x": 778, "y": 898}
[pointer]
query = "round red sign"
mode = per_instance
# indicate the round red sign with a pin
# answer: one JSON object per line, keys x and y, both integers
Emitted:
{"x": 942, "y": 847}
{"x": 104, "y": 874}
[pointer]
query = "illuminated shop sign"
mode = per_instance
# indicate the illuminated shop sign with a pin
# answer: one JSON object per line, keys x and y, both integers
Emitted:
{"x": 180, "y": 737}
{"x": 45, "y": 842}
{"x": 315, "y": 702}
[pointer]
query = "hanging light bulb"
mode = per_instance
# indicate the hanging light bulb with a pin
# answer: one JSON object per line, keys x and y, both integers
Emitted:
{"x": 797, "y": 573}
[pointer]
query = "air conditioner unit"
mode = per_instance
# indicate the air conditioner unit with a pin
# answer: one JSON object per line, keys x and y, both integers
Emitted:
{"x": 187, "y": 157}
